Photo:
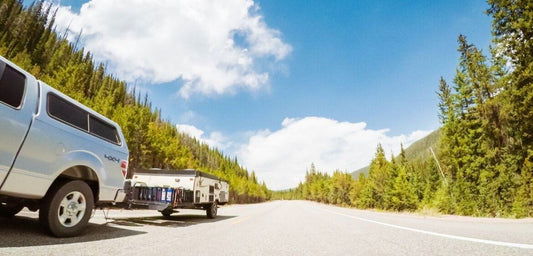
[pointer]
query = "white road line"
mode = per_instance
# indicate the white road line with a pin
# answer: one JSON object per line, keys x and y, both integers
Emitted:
{"x": 476, "y": 240}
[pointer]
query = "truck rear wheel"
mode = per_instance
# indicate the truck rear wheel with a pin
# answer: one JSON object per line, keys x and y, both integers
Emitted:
{"x": 66, "y": 208}
{"x": 9, "y": 210}
{"x": 211, "y": 210}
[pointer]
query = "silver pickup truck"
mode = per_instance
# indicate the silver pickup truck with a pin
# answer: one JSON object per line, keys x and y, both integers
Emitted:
{"x": 56, "y": 155}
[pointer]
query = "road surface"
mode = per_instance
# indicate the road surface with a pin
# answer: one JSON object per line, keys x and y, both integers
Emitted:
{"x": 273, "y": 228}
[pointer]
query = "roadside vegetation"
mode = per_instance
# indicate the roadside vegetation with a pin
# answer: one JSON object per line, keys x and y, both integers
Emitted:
{"x": 486, "y": 142}
{"x": 28, "y": 38}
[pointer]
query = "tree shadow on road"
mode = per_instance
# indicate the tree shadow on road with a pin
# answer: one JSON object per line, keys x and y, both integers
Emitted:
{"x": 172, "y": 221}
{"x": 21, "y": 231}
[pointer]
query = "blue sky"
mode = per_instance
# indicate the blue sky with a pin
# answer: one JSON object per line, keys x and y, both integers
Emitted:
{"x": 342, "y": 62}
{"x": 352, "y": 61}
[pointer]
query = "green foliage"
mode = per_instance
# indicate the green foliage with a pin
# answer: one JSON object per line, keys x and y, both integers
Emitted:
{"x": 523, "y": 205}
{"x": 399, "y": 185}
{"x": 512, "y": 28}
{"x": 443, "y": 200}
{"x": 487, "y": 133}
{"x": 418, "y": 151}
{"x": 403, "y": 195}
{"x": 379, "y": 176}
{"x": 27, "y": 38}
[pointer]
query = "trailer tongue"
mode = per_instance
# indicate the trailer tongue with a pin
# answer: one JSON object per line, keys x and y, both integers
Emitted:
{"x": 167, "y": 190}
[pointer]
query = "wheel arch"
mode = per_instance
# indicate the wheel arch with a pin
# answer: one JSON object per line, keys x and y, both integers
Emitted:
{"x": 79, "y": 172}
{"x": 80, "y": 165}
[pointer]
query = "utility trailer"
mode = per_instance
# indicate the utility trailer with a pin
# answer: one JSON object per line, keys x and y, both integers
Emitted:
{"x": 168, "y": 190}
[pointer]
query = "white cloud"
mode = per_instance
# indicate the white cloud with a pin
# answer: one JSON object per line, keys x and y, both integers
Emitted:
{"x": 166, "y": 40}
{"x": 190, "y": 130}
{"x": 281, "y": 157}
{"x": 214, "y": 139}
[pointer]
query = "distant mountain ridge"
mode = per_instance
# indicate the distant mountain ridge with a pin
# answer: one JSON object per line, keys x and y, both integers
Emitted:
{"x": 418, "y": 150}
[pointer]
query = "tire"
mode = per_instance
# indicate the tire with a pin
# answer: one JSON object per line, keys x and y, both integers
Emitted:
{"x": 10, "y": 210}
{"x": 211, "y": 210}
{"x": 66, "y": 208}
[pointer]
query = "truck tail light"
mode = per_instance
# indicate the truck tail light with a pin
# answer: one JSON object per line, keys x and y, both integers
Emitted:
{"x": 124, "y": 167}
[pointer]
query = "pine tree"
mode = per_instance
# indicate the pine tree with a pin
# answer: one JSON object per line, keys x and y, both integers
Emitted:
{"x": 379, "y": 178}
{"x": 403, "y": 194}
{"x": 512, "y": 27}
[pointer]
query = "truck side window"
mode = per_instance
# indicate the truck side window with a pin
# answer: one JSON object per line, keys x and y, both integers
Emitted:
{"x": 12, "y": 86}
{"x": 103, "y": 130}
{"x": 67, "y": 112}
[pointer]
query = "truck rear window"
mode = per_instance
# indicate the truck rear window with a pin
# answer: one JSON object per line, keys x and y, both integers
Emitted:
{"x": 67, "y": 112}
{"x": 103, "y": 130}
{"x": 12, "y": 86}
{"x": 73, "y": 115}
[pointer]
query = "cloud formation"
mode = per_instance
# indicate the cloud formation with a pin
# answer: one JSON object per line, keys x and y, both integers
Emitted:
{"x": 212, "y": 46}
{"x": 281, "y": 157}
{"x": 214, "y": 139}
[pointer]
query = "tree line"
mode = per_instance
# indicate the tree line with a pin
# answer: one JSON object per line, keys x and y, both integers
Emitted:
{"x": 29, "y": 39}
{"x": 398, "y": 184}
{"x": 486, "y": 146}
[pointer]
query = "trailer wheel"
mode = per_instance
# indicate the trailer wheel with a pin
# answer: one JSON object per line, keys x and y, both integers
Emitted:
{"x": 66, "y": 208}
{"x": 211, "y": 210}
{"x": 10, "y": 210}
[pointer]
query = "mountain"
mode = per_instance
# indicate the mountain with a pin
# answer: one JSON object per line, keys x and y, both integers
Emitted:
{"x": 418, "y": 150}
{"x": 363, "y": 170}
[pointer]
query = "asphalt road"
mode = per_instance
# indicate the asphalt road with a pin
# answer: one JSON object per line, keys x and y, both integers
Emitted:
{"x": 274, "y": 228}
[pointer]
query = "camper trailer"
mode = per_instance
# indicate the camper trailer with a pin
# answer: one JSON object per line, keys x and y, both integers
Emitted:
{"x": 168, "y": 190}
